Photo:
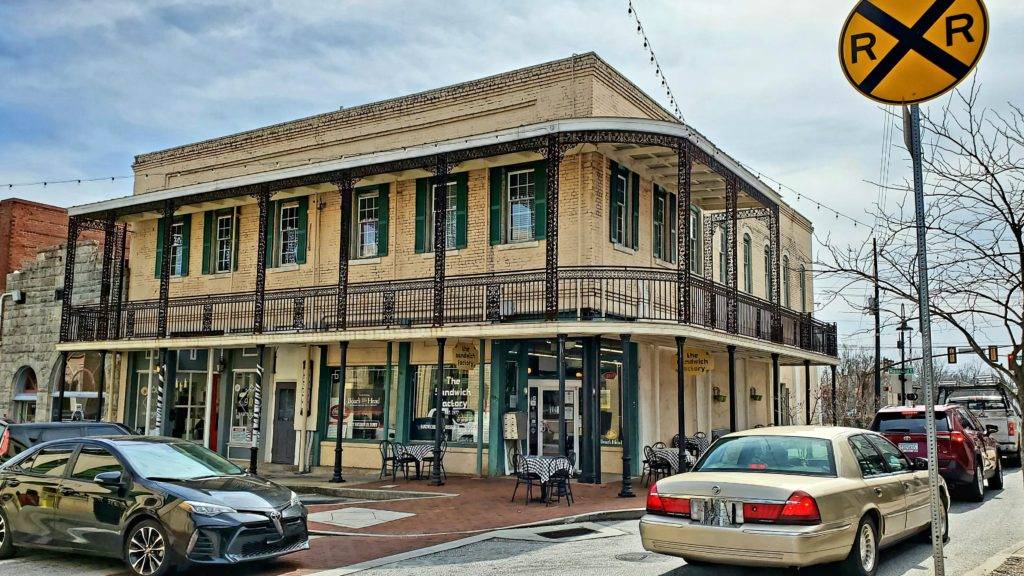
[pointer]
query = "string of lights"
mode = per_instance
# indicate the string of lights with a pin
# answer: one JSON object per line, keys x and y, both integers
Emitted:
{"x": 654, "y": 61}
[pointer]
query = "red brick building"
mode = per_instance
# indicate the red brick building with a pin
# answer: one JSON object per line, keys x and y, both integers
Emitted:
{"x": 27, "y": 227}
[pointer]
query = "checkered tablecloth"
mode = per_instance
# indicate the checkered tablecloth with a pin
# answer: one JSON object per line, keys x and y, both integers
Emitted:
{"x": 671, "y": 455}
{"x": 416, "y": 451}
{"x": 545, "y": 466}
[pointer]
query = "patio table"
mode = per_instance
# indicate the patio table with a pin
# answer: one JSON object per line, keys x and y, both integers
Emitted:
{"x": 417, "y": 452}
{"x": 541, "y": 466}
{"x": 671, "y": 455}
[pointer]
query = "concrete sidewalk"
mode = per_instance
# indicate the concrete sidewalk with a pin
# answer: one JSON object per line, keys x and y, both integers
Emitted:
{"x": 1009, "y": 562}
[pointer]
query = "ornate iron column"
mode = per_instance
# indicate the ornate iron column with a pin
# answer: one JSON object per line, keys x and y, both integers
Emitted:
{"x": 731, "y": 193}
{"x": 561, "y": 395}
{"x": 807, "y": 392}
{"x": 106, "y": 278}
{"x": 102, "y": 382}
{"x": 554, "y": 152}
{"x": 62, "y": 366}
{"x": 626, "y": 401}
{"x": 683, "y": 256}
{"x": 776, "y": 248}
{"x": 161, "y": 395}
{"x": 436, "y": 479}
{"x": 439, "y": 185}
{"x": 122, "y": 244}
{"x": 257, "y": 407}
{"x": 165, "y": 268}
{"x": 776, "y": 400}
{"x": 69, "y": 279}
{"x": 681, "y": 400}
{"x": 345, "y": 186}
{"x": 732, "y": 387}
{"x": 339, "y": 448}
{"x": 263, "y": 200}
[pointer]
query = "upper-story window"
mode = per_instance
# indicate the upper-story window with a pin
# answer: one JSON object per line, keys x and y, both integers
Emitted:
{"x": 225, "y": 242}
{"x": 803, "y": 288}
{"x": 785, "y": 282}
{"x": 664, "y": 230}
{"x": 456, "y": 192}
{"x": 177, "y": 243}
{"x": 695, "y": 244}
{"x": 748, "y": 265}
{"x": 723, "y": 255}
{"x": 768, "y": 271}
{"x": 518, "y": 203}
{"x": 286, "y": 238}
{"x": 624, "y": 213}
{"x": 220, "y": 240}
{"x": 367, "y": 223}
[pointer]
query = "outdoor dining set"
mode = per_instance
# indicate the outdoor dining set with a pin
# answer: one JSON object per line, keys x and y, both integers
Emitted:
{"x": 661, "y": 460}
{"x": 395, "y": 456}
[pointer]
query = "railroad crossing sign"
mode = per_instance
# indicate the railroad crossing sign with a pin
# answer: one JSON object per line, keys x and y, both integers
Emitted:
{"x": 909, "y": 51}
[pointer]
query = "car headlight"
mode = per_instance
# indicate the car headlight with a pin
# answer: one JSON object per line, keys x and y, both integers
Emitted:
{"x": 295, "y": 500}
{"x": 204, "y": 508}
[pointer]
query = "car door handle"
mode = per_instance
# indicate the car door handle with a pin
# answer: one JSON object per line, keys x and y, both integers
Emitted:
{"x": 12, "y": 482}
{"x": 878, "y": 492}
{"x": 67, "y": 491}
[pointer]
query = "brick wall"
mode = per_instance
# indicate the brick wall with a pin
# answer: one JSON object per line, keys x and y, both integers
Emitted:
{"x": 25, "y": 228}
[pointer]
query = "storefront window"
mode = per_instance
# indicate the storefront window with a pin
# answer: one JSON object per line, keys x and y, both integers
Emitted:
{"x": 188, "y": 417}
{"x": 81, "y": 394}
{"x": 460, "y": 404}
{"x": 243, "y": 388}
{"x": 364, "y": 403}
{"x": 25, "y": 389}
{"x": 611, "y": 393}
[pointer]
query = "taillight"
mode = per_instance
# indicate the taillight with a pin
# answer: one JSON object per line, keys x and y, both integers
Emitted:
{"x": 5, "y": 442}
{"x": 1011, "y": 427}
{"x": 800, "y": 508}
{"x": 761, "y": 513}
{"x": 666, "y": 505}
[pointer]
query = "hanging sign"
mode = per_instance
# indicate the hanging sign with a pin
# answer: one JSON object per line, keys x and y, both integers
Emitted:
{"x": 909, "y": 51}
{"x": 466, "y": 356}
{"x": 698, "y": 362}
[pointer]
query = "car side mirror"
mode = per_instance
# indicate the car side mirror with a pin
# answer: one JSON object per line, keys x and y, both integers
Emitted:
{"x": 920, "y": 463}
{"x": 112, "y": 478}
{"x": 991, "y": 429}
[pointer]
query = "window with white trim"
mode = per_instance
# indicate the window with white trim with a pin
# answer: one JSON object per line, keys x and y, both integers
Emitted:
{"x": 622, "y": 212}
{"x": 522, "y": 190}
{"x": 225, "y": 243}
{"x": 177, "y": 247}
{"x": 450, "y": 223}
{"x": 288, "y": 245}
{"x": 748, "y": 265}
{"x": 367, "y": 224}
{"x": 768, "y": 271}
{"x": 695, "y": 256}
{"x": 785, "y": 282}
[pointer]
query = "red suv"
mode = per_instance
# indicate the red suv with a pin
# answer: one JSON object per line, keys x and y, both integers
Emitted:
{"x": 967, "y": 450}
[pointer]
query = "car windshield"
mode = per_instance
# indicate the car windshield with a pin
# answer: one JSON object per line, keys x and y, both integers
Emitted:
{"x": 770, "y": 455}
{"x": 175, "y": 460}
{"x": 909, "y": 421}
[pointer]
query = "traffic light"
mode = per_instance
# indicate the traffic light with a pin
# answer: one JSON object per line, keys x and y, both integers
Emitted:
{"x": 951, "y": 354}
{"x": 993, "y": 353}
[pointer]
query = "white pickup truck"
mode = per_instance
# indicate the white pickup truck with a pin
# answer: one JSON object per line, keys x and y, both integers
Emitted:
{"x": 992, "y": 406}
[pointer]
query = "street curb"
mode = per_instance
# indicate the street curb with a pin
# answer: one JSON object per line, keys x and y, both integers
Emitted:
{"x": 990, "y": 565}
{"x": 364, "y": 493}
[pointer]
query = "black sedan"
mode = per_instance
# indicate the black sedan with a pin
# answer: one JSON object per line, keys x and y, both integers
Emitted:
{"x": 158, "y": 503}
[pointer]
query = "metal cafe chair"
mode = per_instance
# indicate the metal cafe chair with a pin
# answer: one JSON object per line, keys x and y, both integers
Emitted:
{"x": 559, "y": 483}
{"x": 388, "y": 460}
{"x": 523, "y": 474}
{"x": 402, "y": 459}
{"x": 429, "y": 459}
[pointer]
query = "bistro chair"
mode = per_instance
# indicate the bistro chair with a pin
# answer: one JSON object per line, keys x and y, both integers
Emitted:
{"x": 388, "y": 461}
{"x": 657, "y": 467}
{"x": 524, "y": 475}
{"x": 559, "y": 481}
{"x": 403, "y": 459}
{"x": 657, "y": 445}
{"x": 429, "y": 459}
{"x": 675, "y": 441}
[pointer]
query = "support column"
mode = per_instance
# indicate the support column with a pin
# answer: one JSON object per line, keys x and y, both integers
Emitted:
{"x": 776, "y": 391}
{"x": 62, "y": 383}
{"x": 435, "y": 469}
{"x": 776, "y": 275}
{"x": 161, "y": 393}
{"x": 732, "y": 319}
{"x": 807, "y": 392}
{"x": 263, "y": 200}
{"x": 257, "y": 408}
{"x": 345, "y": 187}
{"x": 338, "y": 434}
{"x": 835, "y": 413}
{"x": 732, "y": 387}
{"x": 439, "y": 185}
{"x": 165, "y": 268}
{"x": 561, "y": 395}
{"x": 554, "y": 160}
{"x": 625, "y": 402}
{"x": 106, "y": 277}
{"x": 681, "y": 399}
{"x": 101, "y": 384}
{"x": 683, "y": 182}
{"x": 71, "y": 250}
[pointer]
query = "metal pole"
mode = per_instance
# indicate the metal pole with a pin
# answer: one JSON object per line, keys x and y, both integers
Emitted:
{"x": 102, "y": 383}
{"x": 435, "y": 468}
{"x": 625, "y": 401}
{"x": 62, "y": 384}
{"x": 776, "y": 401}
{"x": 878, "y": 329}
{"x": 681, "y": 399}
{"x": 480, "y": 410}
{"x": 926, "y": 339}
{"x": 161, "y": 395}
{"x": 902, "y": 345}
{"x": 339, "y": 448}
{"x": 257, "y": 407}
{"x": 835, "y": 413}
{"x": 807, "y": 392}
{"x": 732, "y": 388}
{"x": 562, "y": 448}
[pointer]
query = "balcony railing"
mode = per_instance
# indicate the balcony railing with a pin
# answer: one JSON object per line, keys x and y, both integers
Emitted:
{"x": 584, "y": 294}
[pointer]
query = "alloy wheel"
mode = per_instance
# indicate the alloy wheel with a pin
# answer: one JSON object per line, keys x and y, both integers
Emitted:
{"x": 146, "y": 550}
{"x": 868, "y": 551}
{"x": 3, "y": 531}
{"x": 979, "y": 478}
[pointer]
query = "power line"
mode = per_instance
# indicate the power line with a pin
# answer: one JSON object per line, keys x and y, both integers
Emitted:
{"x": 654, "y": 61}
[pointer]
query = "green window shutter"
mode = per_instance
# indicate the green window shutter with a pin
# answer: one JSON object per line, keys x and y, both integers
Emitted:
{"x": 237, "y": 232}
{"x": 159, "y": 245}
{"x": 272, "y": 211}
{"x": 673, "y": 227}
{"x": 208, "y": 239}
{"x": 635, "y": 207}
{"x": 497, "y": 177}
{"x": 540, "y": 200}
{"x": 613, "y": 201}
{"x": 301, "y": 235}
{"x": 658, "y": 218}
{"x": 186, "y": 240}
{"x": 461, "y": 209}
{"x": 422, "y": 193}
{"x": 383, "y": 207}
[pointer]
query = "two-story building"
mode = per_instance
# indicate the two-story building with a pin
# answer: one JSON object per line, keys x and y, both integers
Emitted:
{"x": 327, "y": 270}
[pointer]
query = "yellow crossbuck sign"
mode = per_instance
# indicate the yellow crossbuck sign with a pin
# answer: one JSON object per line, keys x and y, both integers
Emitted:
{"x": 909, "y": 51}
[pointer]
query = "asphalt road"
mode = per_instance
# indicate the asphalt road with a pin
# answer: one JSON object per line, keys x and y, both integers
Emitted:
{"x": 977, "y": 531}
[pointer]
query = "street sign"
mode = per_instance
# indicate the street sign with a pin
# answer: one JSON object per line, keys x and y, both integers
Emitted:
{"x": 896, "y": 371}
{"x": 909, "y": 51}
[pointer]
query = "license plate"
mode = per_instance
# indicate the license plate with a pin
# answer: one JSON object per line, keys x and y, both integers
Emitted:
{"x": 712, "y": 512}
{"x": 909, "y": 446}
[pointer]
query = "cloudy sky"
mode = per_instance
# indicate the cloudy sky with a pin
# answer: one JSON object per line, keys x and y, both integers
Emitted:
{"x": 87, "y": 85}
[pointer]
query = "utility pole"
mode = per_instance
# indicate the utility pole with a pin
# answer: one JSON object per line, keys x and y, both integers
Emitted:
{"x": 877, "y": 304}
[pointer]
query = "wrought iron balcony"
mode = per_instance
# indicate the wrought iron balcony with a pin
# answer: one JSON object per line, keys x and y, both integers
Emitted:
{"x": 584, "y": 294}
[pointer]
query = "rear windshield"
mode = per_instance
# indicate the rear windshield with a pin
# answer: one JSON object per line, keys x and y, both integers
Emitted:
{"x": 911, "y": 422}
{"x": 770, "y": 455}
{"x": 981, "y": 405}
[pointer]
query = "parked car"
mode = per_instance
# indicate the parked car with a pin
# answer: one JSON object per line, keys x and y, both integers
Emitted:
{"x": 157, "y": 503}
{"x": 15, "y": 438}
{"x": 967, "y": 449}
{"x": 792, "y": 496}
{"x": 993, "y": 406}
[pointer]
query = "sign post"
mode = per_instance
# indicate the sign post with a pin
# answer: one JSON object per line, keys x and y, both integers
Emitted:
{"x": 905, "y": 52}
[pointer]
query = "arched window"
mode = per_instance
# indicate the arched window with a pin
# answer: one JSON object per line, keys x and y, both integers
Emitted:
{"x": 748, "y": 265}
{"x": 803, "y": 288}
{"x": 785, "y": 281}
{"x": 768, "y": 272}
{"x": 25, "y": 388}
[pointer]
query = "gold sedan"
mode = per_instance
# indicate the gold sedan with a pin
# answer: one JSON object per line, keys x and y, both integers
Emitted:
{"x": 792, "y": 496}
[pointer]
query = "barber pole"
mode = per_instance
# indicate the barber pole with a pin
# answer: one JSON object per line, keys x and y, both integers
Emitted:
{"x": 257, "y": 401}
{"x": 161, "y": 372}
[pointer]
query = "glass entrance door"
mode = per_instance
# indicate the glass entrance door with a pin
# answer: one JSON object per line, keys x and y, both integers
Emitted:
{"x": 544, "y": 419}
